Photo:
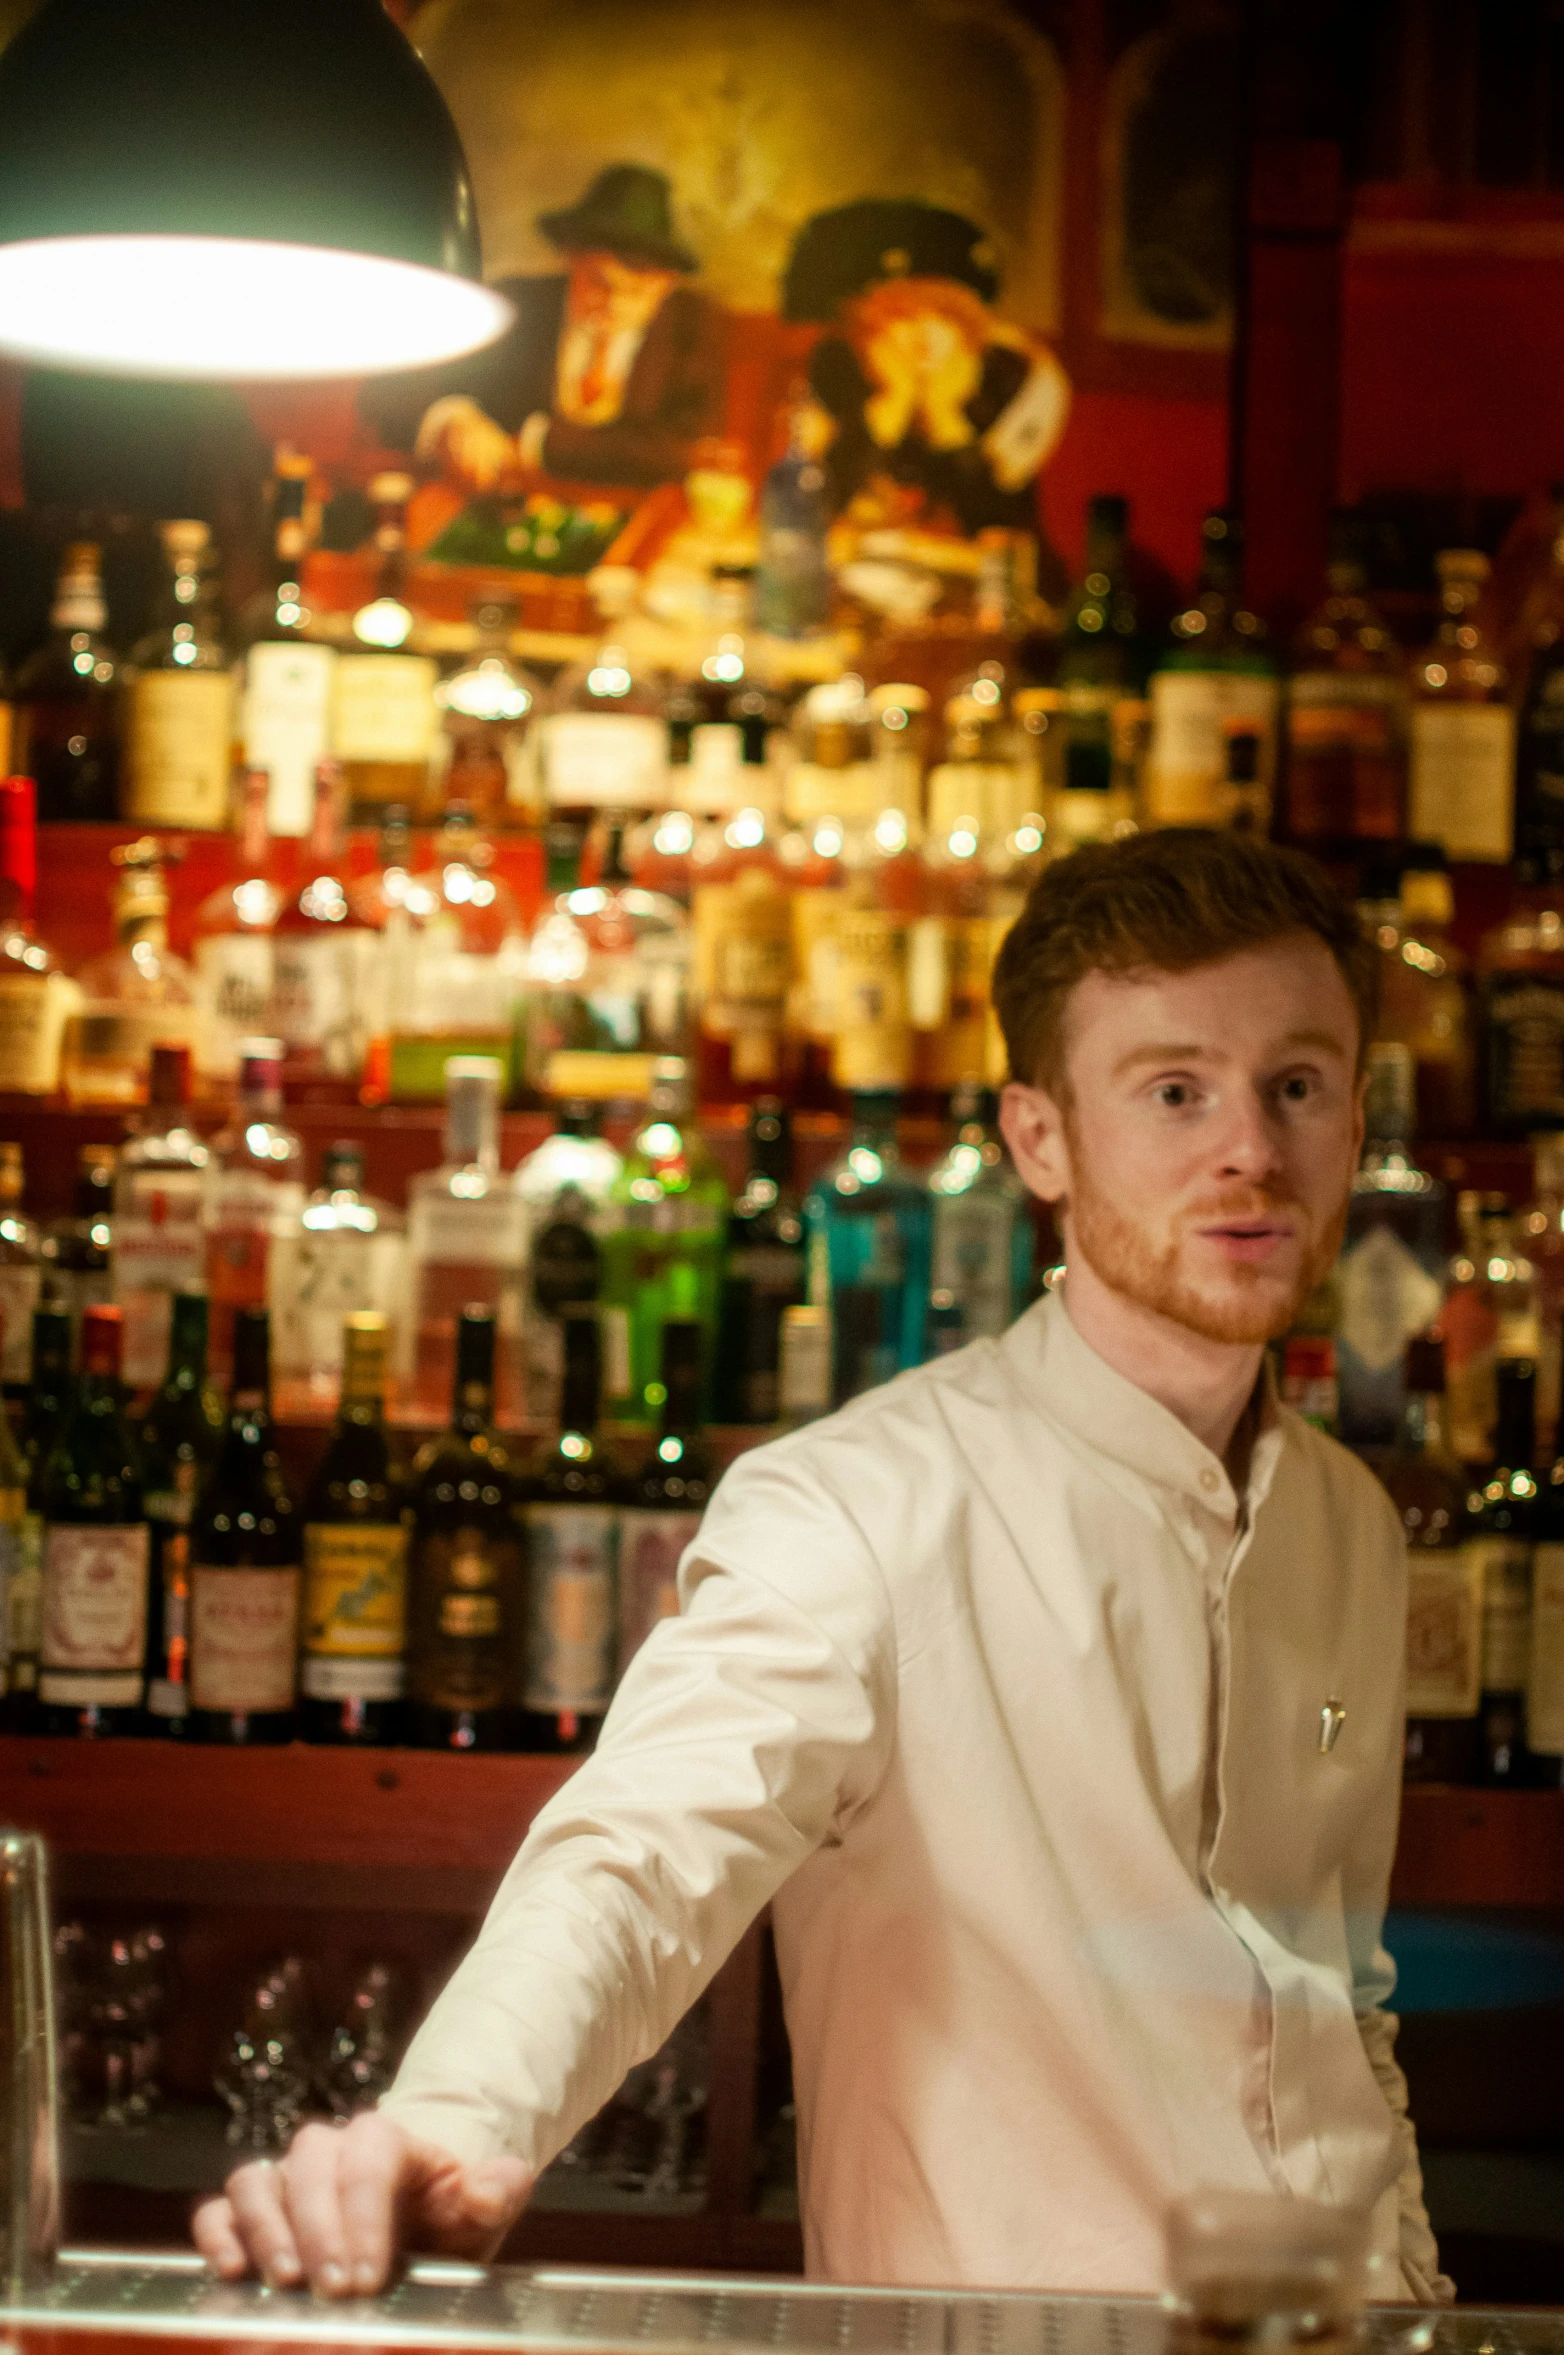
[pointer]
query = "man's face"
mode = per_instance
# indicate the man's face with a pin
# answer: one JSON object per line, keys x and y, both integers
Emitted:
{"x": 1213, "y": 1123}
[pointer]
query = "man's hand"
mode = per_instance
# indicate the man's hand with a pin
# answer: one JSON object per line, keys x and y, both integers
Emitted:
{"x": 336, "y": 2210}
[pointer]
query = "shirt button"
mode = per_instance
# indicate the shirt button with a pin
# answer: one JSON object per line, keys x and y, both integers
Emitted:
{"x": 1210, "y": 1480}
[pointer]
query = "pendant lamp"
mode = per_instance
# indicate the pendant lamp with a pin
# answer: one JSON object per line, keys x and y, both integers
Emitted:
{"x": 232, "y": 188}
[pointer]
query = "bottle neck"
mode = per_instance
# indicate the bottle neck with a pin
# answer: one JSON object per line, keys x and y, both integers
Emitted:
{"x": 78, "y": 604}
{"x": 325, "y": 849}
{"x": 1423, "y": 1425}
{"x": 581, "y": 1389}
{"x": 473, "y": 1408}
{"x": 254, "y": 842}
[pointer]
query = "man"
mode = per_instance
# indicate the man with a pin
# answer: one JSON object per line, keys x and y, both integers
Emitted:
{"x": 1051, "y": 1693}
{"x": 610, "y": 373}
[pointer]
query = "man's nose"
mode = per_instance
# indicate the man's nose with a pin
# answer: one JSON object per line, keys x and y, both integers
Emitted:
{"x": 1251, "y": 1141}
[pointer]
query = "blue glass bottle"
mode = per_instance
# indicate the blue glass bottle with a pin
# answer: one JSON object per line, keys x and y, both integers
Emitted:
{"x": 870, "y": 1222}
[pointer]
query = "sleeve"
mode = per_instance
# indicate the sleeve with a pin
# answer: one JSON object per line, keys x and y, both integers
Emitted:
{"x": 744, "y": 1733}
{"x": 1366, "y": 1890}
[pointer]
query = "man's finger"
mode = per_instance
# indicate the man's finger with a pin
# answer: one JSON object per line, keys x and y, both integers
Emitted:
{"x": 212, "y": 2230}
{"x": 466, "y": 2211}
{"x": 261, "y": 2219}
{"x": 375, "y": 2163}
{"x": 310, "y": 2186}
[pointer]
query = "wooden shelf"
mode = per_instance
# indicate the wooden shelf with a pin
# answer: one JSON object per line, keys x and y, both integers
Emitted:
{"x": 1484, "y": 1848}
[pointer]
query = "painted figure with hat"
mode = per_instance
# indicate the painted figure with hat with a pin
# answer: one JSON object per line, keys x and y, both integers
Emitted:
{"x": 926, "y": 388}
{"x": 610, "y": 374}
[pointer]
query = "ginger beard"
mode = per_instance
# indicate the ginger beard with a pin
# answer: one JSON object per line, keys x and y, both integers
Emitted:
{"x": 1237, "y": 1303}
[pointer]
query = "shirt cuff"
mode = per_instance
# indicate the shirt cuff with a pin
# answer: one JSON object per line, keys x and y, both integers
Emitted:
{"x": 449, "y": 2125}
{"x": 533, "y": 435}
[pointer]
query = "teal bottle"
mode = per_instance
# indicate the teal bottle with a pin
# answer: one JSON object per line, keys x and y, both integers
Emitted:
{"x": 870, "y": 1221}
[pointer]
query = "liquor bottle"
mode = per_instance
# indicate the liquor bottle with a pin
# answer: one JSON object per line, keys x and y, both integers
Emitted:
{"x": 1500, "y": 1515}
{"x": 1426, "y": 998}
{"x": 1444, "y": 1582}
{"x": 346, "y": 1251}
{"x": 244, "y": 1570}
{"x": 1391, "y": 1268}
{"x": 804, "y": 1379}
{"x": 983, "y": 1239}
{"x": 466, "y": 1245}
{"x": 743, "y": 955}
{"x": 1545, "y": 1667}
{"x": 323, "y": 964}
{"x": 664, "y": 1501}
{"x": 254, "y": 1195}
{"x": 603, "y": 743}
{"x": 48, "y": 1404}
{"x": 1521, "y": 996}
{"x": 35, "y": 996}
{"x": 1539, "y": 749}
{"x": 232, "y": 941}
{"x": 1103, "y": 655}
{"x": 793, "y": 576}
{"x": 21, "y": 1272}
{"x": 565, "y": 1189}
{"x": 1461, "y": 785}
{"x": 179, "y": 722}
{"x": 487, "y": 704}
{"x": 136, "y": 996}
{"x": 1216, "y": 686}
{"x": 77, "y": 1250}
{"x": 454, "y": 971}
{"x": 870, "y": 1220}
{"x": 65, "y": 699}
{"x": 353, "y": 1670}
{"x": 763, "y": 1273}
{"x": 954, "y": 947}
{"x": 1540, "y": 1239}
{"x": 285, "y": 698}
{"x": 1488, "y": 1314}
{"x": 13, "y": 1534}
{"x": 384, "y": 720}
{"x": 465, "y": 1586}
{"x": 96, "y": 1553}
{"x": 1347, "y": 706}
{"x": 159, "y": 1216}
{"x": 178, "y": 1438}
{"x": 662, "y": 1253}
{"x": 572, "y": 1525}
{"x": 608, "y": 980}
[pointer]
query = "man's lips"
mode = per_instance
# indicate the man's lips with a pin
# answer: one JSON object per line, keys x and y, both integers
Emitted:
{"x": 1247, "y": 1240}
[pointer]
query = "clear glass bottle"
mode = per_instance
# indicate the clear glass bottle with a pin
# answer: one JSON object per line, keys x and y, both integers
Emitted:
{"x": 347, "y": 1251}
{"x": 384, "y": 718}
{"x": 664, "y": 1501}
{"x": 254, "y": 1196}
{"x": 662, "y": 1253}
{"x": 136, "y": 996}
{"x": 466, "y": 1242}
{"x": 956, "y": 944}
{"x": 793, "y": 576}
{"x": 285, "y": 695}
{"x": 743, "y": 957}
{"x": 763, "y": 1272}
{"x": 96, "y": 1554}
{"x": 178, "y": 1436}
{"x": 466, "y": 1595}
{"x": 488, "y": 702}
{"x": 603, "y": 740}
{"x": 1521, "y": 998}
{"x": 77, "y": 1250}
{"x": 353, "y": 1659}
{"x": 1501, "y": 1511}
{"x": 21, "y": 1273}
{"x": 1426, "y": 1484}
{"x": 983, "y": 1238}
{"x": 159, "y": 1216}
{"x": 1391, "y": 1270}
{"x": 65, "y": 698}
{"x": 1461, "y": 785}
{"x": 454, "y": 964}
{"x": 325, "y": 964}
{"x": 231, "y": 947}
{"x": 179, "y": 713}
{"x": 566, "y": 1191}
{"x": 245, "y": 1570}
{"x": 608, "y": 978}
{"x": 870, "y": 1222}
{"x": 572, "y": 1526}
{"x": 35, "y": 996}
{"x": 1347, "y": 711}
{"x": 1216, "y": 683}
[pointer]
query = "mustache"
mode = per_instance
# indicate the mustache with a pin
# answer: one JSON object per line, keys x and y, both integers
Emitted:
{"x": 1241, "y": 1204}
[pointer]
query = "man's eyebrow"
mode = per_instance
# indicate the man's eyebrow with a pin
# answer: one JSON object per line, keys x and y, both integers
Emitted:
{"x": 1190, "y": 1051}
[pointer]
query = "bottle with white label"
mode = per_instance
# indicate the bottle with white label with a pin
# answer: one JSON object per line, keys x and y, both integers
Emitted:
{"x": 346, "y": 1251}
{"x": 286, "y": 679}
{"x": 1216, "y": 684}
{"x": 254, "y": 1195}
{"x": 572, "y": 1525}
{"x": 1428, "y": 1487}
{"x": 1462, "y": 781}
{"x": 325, "y": 963}
{"x": 178, "y": 747}
{"x": 35, "y": 996}
{"x": 604, "y": 742}
{"x": 466, "y": 1243}
{"x": 384, "y": 718}
{"x": 232, "y": 941}
{"x": 159, "y": 1229}
{"x": 96, "y": 1554}
{"x": 245, "y": 1570}
{"x": 1390, "y": 1275}
{"x": 20, "y": 1272}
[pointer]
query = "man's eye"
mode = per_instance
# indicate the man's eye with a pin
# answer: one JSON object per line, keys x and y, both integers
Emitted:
{"x": 1174, "y": 1093}
{"x": 1298, "y": 1088}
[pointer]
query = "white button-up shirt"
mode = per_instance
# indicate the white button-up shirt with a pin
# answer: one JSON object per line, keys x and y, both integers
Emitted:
{"x": 1017, "y": 1714}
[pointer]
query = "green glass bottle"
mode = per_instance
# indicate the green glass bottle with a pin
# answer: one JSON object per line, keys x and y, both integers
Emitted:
{"x": 664, "y": 1501}
{"x": 244, "y": 1568}
{"x": 353, "y": 1666}
{"x": 96, "y": 1553}
{"x": 179, "y": 1436}
{"x": 48, "y": 1402}
{"x": 572, "y": 1525}
{"x": 465, "y": 1585}
{"x": 662, "y": 1256}
{"x": 1103, "y": 654}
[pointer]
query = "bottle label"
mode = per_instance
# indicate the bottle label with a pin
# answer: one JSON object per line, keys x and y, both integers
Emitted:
{"x": 617, "y": 1375}
{"x": 286, "y": 720}
{"x": 33, "y": 1011}
{"x": 603, "y": 760}
{"x": 355, "y": 1611}
{"x": 1444, "y": 1631}
{"x": 1463, "y": 768}
{"x": 469, "y": 1575}
{"x": 959, "y": 1045}
{"x": 234, "y": 987}
{"x": 159, "y": 1249}
{"x": 1387, "y": 1295}
{"x": 1502, "y": 1568}
{"x": 571, "y": 1552}
{"x": 1526, "y": 1050}
{"x": 22, "y": 1601}
{"x": 1358, "y": 709}
{"x": 804, "y": 1372}
{"x": 383, "y": 708}
{"x": 178, "y": 748}
{"x": 744, "y": 960}
{"x": 816, "y": 915}
{"x": 19, "y": 1285}
{"x": 94, "y": 1614}
{"x": 651, "y": 1547}
{"x": 321, "y": 988}
{"x": 1194, "y": 713}
{"x": 974, "y": 1240}
{"x": 244, "y": 1632}
{"x": 873, "y": 1044}
{"x": 1545, "y": 1685}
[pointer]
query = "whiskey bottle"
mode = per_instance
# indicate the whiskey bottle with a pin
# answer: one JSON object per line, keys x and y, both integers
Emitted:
{"x": 35, "y": 996}
{"x": 763, "y": 1272}
{"x": 96, "y": 1554}
{"x": 465, "y": 1589}
{"x": 323, "y": 964}
{"x": 66, "y": 697}
{"x": 1501, "y": 1512}
{"x": 285, "y": 698}
{"x": 804, "y": 1378}
{"x": 159, "y": 1243}
{"x": 48, "y": 1404}
{"x": 1545, "y": 1671}
{"x": 1347, "y": 707}
{"x": 178, "y": 1436}
{"x": 663, "y": 1502}
{"x": 384, "y": 719}
{"x": 572, "y": 1525}
{"x": 565, "y": 1190}
{"x": 137, "y": 995}
{"x": 353, "y": 1671}
{"x": 1461, "y": 786}
{"x": 244, "y": 1570}
{"x": 1444, "y": 1585}
{"x": 1521, "y": 978}
{"x": 179, "y": 719}
{"x": 77, "y": 1250}
{"x": 20, "y": 1271}
{"x": 1391, "y": 1268}
{"x": 487, "y": 702}
{"x": 1216, "y": 686}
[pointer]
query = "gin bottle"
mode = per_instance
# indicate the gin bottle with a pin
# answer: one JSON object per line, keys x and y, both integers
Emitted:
{"x": 870, "y": 1220}
{"x": 254, "y": 1195}
{"x": 983, "y": 1236}
{"x": 662, "y": 1254}
{"x": 159, "y": 1212}
{"x": 347, "y": 1251}
{"x": 466, "y": 1240}
{"x": 1391, "y": 1269}
{"x": 565, "y": 1189}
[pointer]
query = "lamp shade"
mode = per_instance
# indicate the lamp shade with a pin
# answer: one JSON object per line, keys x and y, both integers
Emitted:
{"x": 232, "y": 188}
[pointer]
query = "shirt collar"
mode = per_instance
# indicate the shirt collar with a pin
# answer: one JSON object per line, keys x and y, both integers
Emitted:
{"x": 1113, "y": 1417}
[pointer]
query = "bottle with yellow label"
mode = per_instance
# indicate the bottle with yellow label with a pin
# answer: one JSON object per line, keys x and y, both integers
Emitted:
{"x": 465, "y": 1593}
{"x": 179, "y": 724}
{"x": 353, "y": 1666}
{"x": 957, "y": 939}
{"x": 385, "y": 722}
{"x": 743, "y": 955}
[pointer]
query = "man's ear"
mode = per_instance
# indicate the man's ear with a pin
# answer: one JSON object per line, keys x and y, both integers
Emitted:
{"x": 1033, "y": 1127}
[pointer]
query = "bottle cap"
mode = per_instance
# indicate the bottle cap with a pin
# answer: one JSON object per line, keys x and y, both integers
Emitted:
{"x": 102, "y": 1341}
{"x": 365, "y": 1343}
{"x": 168, "y": 1080}
{"x": 804, "y": 1364}
{"x": 260, "y": 1069}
